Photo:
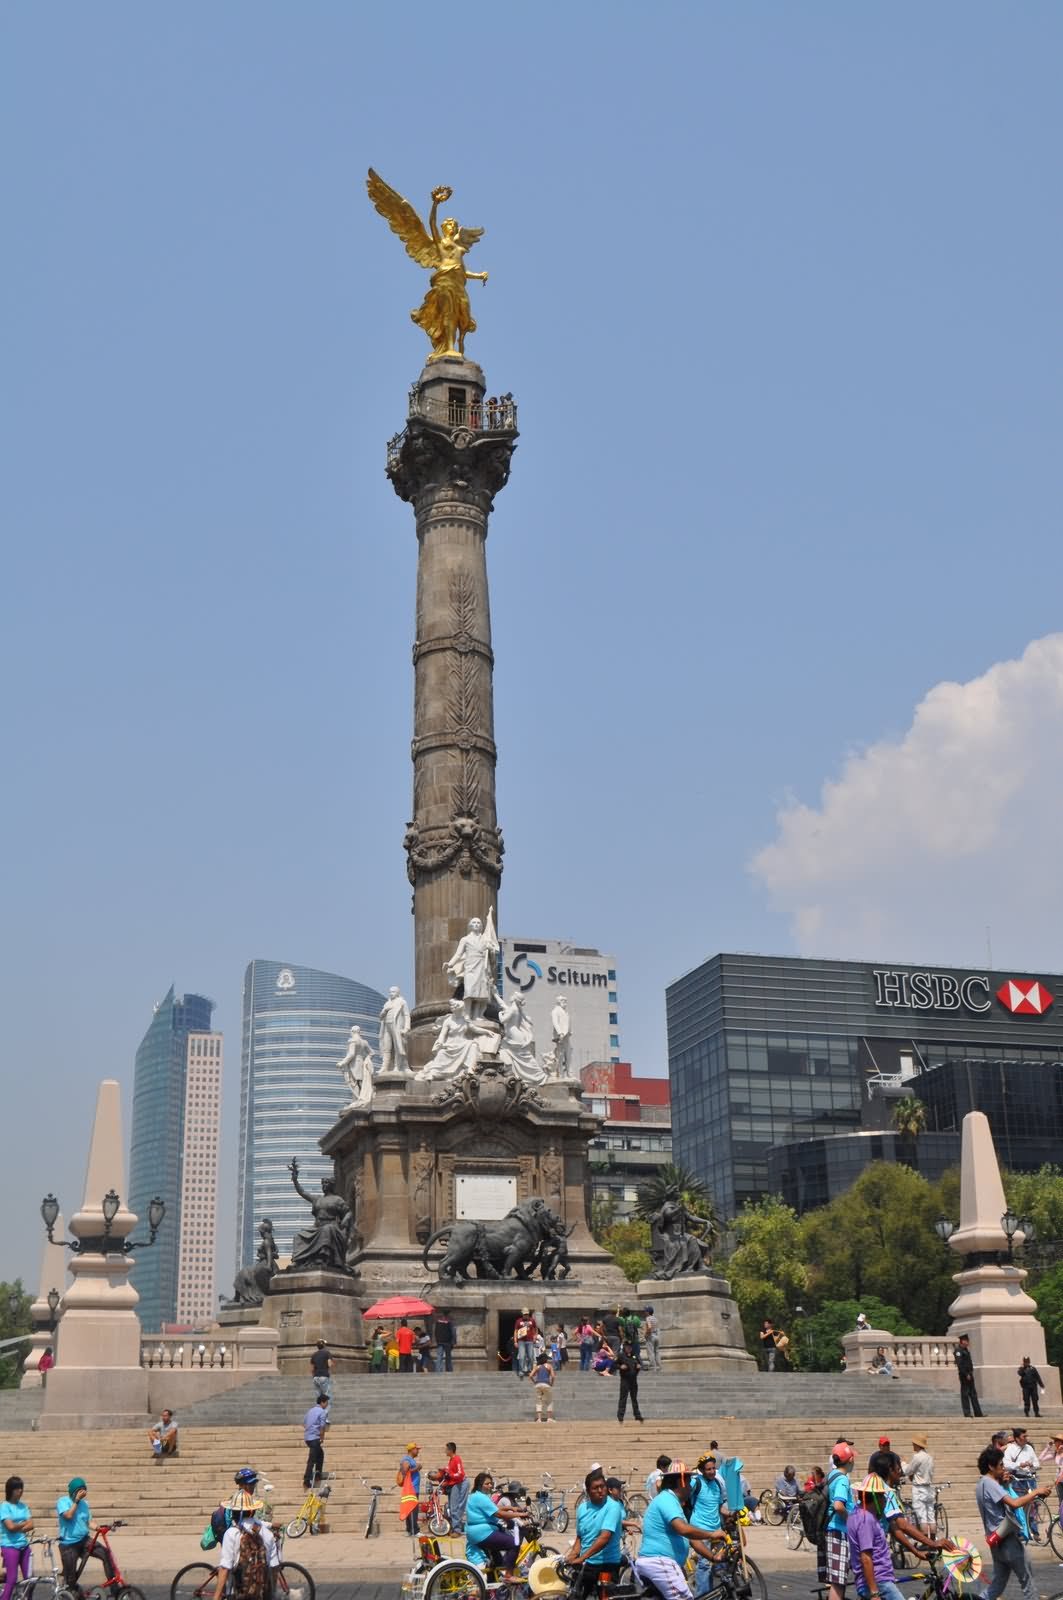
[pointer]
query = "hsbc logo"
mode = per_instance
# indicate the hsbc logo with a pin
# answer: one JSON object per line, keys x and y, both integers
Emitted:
{"x": 944, "y": 991}
{"x": 1024, "y": 997}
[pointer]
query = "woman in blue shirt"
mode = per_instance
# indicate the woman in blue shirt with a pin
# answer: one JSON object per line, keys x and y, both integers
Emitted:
{"x": 485, "y": 1537}
{"x": 75, "y": 1528}
{"x": 16, "y": 1525}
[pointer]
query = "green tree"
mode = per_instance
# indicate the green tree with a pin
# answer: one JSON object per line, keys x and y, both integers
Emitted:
{"x": 14, "y": 1319}
{"x": 909, "y": 1116}
{"x": 1039, "y": 1196}
{"x": 818, "y": 1338}
{"x": 878, "y": 1239}
{"x": 603, "y": 1214}
{"x": 628, "y": 1242}
{"x": 671, "y": 1180}
{"x": 1048, "y": 1292}
{"x": 766, "y": 1268}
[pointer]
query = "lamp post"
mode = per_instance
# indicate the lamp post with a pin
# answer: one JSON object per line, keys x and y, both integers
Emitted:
{"x": 53, "y": 1309}
{"x": 14, "y": 1303}
{"x": 799, "y": 1311}
{"x": 105, "y": 1243}
{"x": 944, "y": 1229}
{"x": 1013, "y": 1225}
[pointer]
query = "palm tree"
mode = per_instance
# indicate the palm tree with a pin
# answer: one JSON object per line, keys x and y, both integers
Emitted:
{"x": 909, "y": 1121}
{"x": 909, "y": 1117}
{"x": 671, "y": 1181}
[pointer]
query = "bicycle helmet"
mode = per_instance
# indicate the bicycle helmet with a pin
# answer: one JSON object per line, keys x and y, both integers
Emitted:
{"x": 246, "y": 1478}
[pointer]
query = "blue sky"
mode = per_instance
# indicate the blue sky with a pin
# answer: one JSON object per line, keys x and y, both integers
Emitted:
{"x": 776, "y": 287}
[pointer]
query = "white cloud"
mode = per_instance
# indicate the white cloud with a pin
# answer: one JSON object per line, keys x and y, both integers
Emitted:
{"x": 922, "y": 843}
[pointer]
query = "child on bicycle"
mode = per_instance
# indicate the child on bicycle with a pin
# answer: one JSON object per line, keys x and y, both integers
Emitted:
{"x": 248, "y": 1549}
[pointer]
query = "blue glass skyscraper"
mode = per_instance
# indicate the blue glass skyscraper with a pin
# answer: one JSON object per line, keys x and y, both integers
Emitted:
{"x": 295, "y": 1027}
{"x": 157, "y": 1144}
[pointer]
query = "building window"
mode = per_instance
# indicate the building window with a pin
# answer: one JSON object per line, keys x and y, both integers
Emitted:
{"x": 614, "y": 1041}
{"x": 613, "y": 1018}
{"x": 611, "y": 975}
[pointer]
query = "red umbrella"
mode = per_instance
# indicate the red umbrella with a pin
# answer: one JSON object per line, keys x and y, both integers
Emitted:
{"x": 400, "y": 1305}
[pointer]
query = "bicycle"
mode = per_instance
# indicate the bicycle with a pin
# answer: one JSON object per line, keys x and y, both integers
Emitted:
{"x": 375, "y": 1491}
{"x": 53, "y": 1588}
{"x": 309, "y": 1515}
{"x": 290, "y": 1581}
{"x": 116, "y": 1585}
{"x": 776, "y": 1507}
{"x": 794, "y": 1537}
{"x": 435, "y": 1577}
{"x": 550, "y": 1514}
{"x": 941, "y": 1516}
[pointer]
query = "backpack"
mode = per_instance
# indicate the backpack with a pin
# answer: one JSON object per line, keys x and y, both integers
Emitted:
{"x": 813, "y": 1507}
{"x": 214, "y": 1532}
{"x": 254, "y": 1565}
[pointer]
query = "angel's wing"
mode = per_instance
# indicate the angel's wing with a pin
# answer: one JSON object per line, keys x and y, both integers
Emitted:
{"x": 402, "y": 219}
{"x": 469, "y": 236}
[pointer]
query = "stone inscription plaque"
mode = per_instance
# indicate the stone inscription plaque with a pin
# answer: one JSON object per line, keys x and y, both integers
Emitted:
{"x": 482, "y": 1196}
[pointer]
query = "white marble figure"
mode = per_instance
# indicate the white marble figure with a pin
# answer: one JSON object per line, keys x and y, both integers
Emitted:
{"x": 518, "y": 1041}
{"x": 460, "y": 1040}
{"x": 473, "y": 964}
{"x": 357, "y": 1068}
{"x": 559, "y": 1061}
{"x": 394, "y": 1032}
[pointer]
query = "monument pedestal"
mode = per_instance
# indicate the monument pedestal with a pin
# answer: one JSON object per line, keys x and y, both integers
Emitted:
{"x": 307, "y": 1306}
{"x": 700, "y": 1326}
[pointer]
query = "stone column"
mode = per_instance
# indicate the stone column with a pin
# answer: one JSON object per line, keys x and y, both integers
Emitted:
{"x": 992, "y": 1307}
{"x": 449, "y": 463}
{"x": 98, "y": 1374}
{"x": 53, "y": 1276}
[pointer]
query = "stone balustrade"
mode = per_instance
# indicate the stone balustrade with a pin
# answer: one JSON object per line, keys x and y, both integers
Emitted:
{"x": 919, "y": 1356}
{"x": 190, "y": 1366}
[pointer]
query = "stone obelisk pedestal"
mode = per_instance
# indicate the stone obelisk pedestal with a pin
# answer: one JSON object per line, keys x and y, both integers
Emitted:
{"x": 53, "y": 1276}
{"x": 992, "y": 1307}
{"x": 450, "y": 461}
{"x": 98, "y": 1380}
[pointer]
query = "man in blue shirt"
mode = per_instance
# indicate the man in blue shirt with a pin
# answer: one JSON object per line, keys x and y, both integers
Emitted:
{"x": 75, "y": 1530}
{"x": 315, "y": 1424}
{"x": 707, "y": 1505}
{"x": 667, "y": 1537}
{"x": 599, "y": 1521}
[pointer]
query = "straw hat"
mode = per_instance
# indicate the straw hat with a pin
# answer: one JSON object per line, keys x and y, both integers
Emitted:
{"x": 919, "y": 1440}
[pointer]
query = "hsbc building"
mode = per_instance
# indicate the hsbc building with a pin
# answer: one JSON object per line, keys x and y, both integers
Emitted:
{"x": 785, "y": 1072}
{"x": 542, "y": 969}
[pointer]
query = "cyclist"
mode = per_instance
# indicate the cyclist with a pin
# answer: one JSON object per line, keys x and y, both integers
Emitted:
{"x": 485, "y": 1536}
{"x": 248, "y": 1549}
{"x": 708, "y": 1505}
{"x": 596, "y": 1547}
{"x": 667, "y": 1537}
{"x": 887, "y": 1464}
{"x": 75, "y": 1528}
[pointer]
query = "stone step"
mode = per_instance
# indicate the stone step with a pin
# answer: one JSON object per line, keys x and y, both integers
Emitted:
{"x": 403, "y": 1398}
{"x": 181, "y": 1493}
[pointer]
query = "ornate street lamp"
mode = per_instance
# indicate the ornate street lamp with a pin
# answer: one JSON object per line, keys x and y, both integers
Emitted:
{"x": 53, "y": 1309}
{"x": 944, "y": 1229}
{"x": 104, "y": 1244}
{"x": 14, "y": 1303}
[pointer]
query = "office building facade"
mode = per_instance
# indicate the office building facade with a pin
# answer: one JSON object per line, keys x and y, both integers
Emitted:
{"x": 636, "y": 1134}
{"x": 542, "y": 969}
{"x": 296, "y": 1021}
{"x": 158, "y": 1149}
{"x": 197, "y": 1244}
{"x": 784, "y": 1071}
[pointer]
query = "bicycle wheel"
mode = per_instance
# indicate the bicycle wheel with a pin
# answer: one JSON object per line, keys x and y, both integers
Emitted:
{"x": 439, "y": 1524}
{"x": 455, "y": 1580}
{"x": 293, "y": 1582}
{"x": 773, "y": 1510}
{"x": 941, "y": 1521}
{"x": 794, "y": 1536}
{"x": 560, "y": 1522}
{"x": 1040, "y": 1532}
{"x": 43, "y": 1589}
{"x": 636, "y": 1505}
{"x": 371, "y": 1519}
{"x": 756, "y": 1587}
{"x": 297, "y": 1527}
{"x": 194, "y": 1581}
{"x": 129, "y": 1591}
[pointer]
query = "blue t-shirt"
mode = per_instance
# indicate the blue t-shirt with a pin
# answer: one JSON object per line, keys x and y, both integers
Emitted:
{"x": 14, "y": 1511}
{"x": 481, "y": 1518}
{"x": 77, "y": 1527}
{"x": 411, "y": 1465}
{"x": 707, "y": 1504}
{"x": 591, "y": 1520}
{"x": 659, "y": 1538}
{"x": 891, "y": 1507}
{"x": 839, "y": 1488}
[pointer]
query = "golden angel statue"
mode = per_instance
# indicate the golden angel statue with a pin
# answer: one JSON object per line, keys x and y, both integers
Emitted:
{"x": 446, "y": 315}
